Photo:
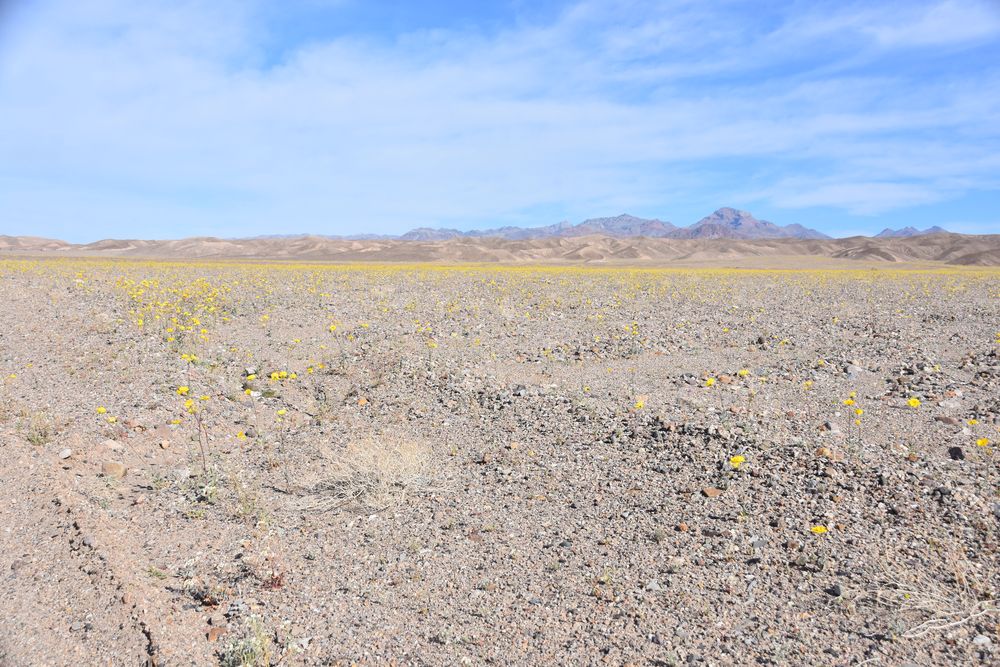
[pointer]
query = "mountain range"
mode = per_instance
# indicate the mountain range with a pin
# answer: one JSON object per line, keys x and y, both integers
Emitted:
{"x": 725, "y": 223}
{"x": 907, "y": 232}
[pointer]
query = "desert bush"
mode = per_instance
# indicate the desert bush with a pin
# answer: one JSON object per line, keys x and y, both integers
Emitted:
{"x": 376, "y": 474}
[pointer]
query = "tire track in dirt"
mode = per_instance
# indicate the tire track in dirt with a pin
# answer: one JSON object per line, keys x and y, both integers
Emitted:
{"x": 71, "y": 589}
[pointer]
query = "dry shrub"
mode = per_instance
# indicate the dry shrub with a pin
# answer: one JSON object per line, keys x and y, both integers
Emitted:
{"x": 939, "y": 603}
{"x": 376, "y": 474}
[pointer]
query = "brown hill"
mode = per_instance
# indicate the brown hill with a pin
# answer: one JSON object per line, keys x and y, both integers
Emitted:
{"x": 953, "y": 249}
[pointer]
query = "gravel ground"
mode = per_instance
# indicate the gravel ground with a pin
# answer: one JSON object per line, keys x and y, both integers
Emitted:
{"x": 254, "y": 464}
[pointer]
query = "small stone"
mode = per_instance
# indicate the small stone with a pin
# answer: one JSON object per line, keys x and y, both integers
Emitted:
{"x": 164, "y": 444}
{"x": 835, "y": 590}
{"x": 982, "y": 640}
{"x": 956, "y": 454}
{"x": 215, "y": 633}
{"x": 653, "y": 586}
{"x": 114, "y": 469}
{"x": 711, "y": 492}
{"x": 65, "y": 453}
{"x": 113, "y": 445}
{"x": 950, "y": 421}
{"x": 682, "y": 527}
{"x": 824, "y": 452}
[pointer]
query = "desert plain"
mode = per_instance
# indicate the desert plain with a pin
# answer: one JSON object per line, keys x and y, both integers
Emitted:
{"x": 277, "y": 463}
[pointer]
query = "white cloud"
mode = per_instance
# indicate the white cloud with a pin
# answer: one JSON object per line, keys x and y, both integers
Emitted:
{"x": 117, "y": 111}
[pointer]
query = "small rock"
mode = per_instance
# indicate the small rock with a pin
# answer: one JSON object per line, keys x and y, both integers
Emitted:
{"x": 711, "y": 492}
{"x": 835, "y": 590}
{"x": 114, "y": 469}
{"x": 982, "y": 640}
{"x": 215, "y": 633}
{"x": 682, "y": 527}
{"x": 951, "y": 421}
{"x": 65, "y": 453}
{"x": 653, "y": 585}
{"x": 956, "y": 454}
{"x": 113, "y": 445}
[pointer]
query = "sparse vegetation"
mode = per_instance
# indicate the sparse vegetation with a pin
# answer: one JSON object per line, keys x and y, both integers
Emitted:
{"x": 369, "y": 456}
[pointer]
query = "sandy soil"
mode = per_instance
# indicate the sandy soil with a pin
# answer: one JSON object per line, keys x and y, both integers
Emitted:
{"x": 303, "y": 465}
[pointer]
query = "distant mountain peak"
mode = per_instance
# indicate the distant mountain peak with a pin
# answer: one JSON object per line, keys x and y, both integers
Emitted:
{"x": 728, "y": 222}
{"x": 907, "y": 232}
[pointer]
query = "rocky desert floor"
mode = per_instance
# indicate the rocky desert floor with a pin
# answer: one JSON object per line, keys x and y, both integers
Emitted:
{"x": 285, "y": 464}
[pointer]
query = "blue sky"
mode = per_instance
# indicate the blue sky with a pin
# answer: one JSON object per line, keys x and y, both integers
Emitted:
{"x": 241, "y": 117}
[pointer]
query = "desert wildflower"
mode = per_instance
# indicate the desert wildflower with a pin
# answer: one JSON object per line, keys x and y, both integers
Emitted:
{"x": 737, "y": 461}
{"x": 183, "y": 390}
{"x": 972, "y": 422}
{"x": 913, "y": 402}
{"x": 709, "y": 382}
{"x": 241, "y": 436}
{"x": 112, "y": 419}
{"x": 101, "y": 409}
{"x": 983, "y": 442}
{"x": 251, "y": 377}
{"x": 848, "y": 401}
{"x": 282, "y": 412}
{"x": 639, "y": 405}
{"x": 743, "y": 372}
{"x": 818, "y": 530}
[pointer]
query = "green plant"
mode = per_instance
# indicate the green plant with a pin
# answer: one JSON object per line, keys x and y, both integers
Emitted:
{"x": 251, "y": 648}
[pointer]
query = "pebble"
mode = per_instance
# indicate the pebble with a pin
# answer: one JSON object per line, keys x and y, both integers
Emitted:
{"x": 982, "y": 640}
{"x": 711, "y": 492}
{"x": 956, "y": 454}
{"x": 65, "y": 453}
{"x": 114, "y": 469}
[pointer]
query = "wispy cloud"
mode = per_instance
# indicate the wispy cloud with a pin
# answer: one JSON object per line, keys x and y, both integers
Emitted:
{"x": 171, "y": 119}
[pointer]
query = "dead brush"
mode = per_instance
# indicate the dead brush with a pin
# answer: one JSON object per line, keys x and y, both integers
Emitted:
{"x": 375, "y": 474}
{"x": 937, "y": 604}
